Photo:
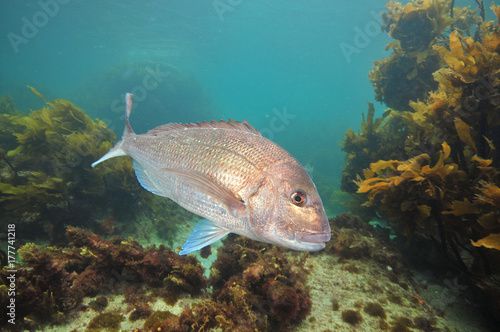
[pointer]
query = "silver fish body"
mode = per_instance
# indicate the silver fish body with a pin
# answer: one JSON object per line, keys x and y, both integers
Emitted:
{"x": 232, "y": 176}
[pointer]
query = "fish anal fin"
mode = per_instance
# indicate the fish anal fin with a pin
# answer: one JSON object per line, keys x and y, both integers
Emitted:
{"x": 204, "y": 233}
{"x": 206, "y": 185}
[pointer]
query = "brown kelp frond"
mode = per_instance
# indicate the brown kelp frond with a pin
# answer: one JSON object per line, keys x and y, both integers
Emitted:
{"x": 407, "y": 74}
{"x": 394, "y": 173}
{"x": 440, "y": 186}
{"x": 370, "y": 126}
{"x": 491, "y": 241}
{"x": 489, "y": 194}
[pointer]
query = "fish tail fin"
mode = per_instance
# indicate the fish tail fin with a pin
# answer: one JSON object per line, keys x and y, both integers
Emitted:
{"x": 117, "y": 150}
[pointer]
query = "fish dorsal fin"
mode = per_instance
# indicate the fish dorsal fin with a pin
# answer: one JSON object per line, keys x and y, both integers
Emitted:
{"x": 206, "y": 185}
{"x": 222, "y": 124}
{"x": 204, "y": 233}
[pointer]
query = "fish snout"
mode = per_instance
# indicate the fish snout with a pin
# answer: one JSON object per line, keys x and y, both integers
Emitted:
{"x": 316, "y": 236}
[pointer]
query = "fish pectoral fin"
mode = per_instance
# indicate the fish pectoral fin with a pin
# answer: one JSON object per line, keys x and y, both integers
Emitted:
{"x": 206, "y": 185}
{"x": 204, "y": 233}
{"x": 144, "y": 180}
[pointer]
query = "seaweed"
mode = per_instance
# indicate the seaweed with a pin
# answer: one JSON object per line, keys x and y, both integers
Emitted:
{"x": 99, "y": 304}
{"x": 42, "y": 292}
{"x": 108, "y": 321}
{"x": 417, "y": 27}
{"x": 370, "y": 143}
{"x": 259, "y": 280}
{"x": 156, "y": 318}
{"x": 352, "y": 317}
{"x": 407, "y": 74}
{"x": 47, "y": 182}
{"x": 375, "y": 310}
{"x": 253, "y": 288}
{"x": 52, "y": 281}
{"x": 441, "y": 188}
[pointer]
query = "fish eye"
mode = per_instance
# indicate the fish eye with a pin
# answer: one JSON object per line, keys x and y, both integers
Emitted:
{"x": 299, "y": 198}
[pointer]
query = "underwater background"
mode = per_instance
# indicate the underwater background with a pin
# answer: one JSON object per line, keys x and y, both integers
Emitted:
{"x": 412, "y": 192}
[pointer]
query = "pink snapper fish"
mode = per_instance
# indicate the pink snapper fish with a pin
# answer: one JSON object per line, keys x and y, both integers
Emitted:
{"x": 229, "y": 174}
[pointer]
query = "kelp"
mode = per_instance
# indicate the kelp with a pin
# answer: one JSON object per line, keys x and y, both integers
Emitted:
{"x": 491, "y": 241}
{"x": 466, "y": 21}
{"x": 7, "y": 106}
{"x": 57, "y": 141}
{"x": 407, "y": 74}
{"x": 467, "y": 59}
{"x": 417, "y": 27}
{"x": 403, "y": 77}
{"x": 490, "y": 194}
{"x": 40, "y": 190}
{"x": 461, "y": 116}
{"x": 47, "y": 182}
{"x": 417, "y": 24}
{"x": 364, "y": 146}
{"x": 421, "y": 197}
{"x": 411, "y": 189}
{"x": 63, "y": 132}
{"x": 441, "y": 185}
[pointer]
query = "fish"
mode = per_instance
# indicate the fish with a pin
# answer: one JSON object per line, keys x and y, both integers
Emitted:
{"x": 237, "y": 180}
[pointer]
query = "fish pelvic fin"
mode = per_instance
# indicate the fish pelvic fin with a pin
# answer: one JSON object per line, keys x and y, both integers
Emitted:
{"x": 204, "y": 233}
{"x": 117, "y": 150}
{"x": 145, "y": 180}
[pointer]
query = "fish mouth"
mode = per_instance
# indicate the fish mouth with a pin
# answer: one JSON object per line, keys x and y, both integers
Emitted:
{"x": 315, "y": 241}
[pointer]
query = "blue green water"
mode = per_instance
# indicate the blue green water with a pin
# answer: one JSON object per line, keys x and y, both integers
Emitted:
{"x": 297, "y": 70}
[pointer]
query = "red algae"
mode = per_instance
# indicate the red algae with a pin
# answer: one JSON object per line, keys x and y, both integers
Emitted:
{"x": 53, "y": 281}
{"x": 254, "y": 288}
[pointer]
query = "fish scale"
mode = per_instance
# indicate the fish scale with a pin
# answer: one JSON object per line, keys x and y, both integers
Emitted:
{"x": 228, "y": 173}
{"x": 228, "y": 156}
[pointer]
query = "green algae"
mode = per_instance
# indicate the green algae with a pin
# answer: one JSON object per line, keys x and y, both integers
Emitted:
{"x": 46, "y": 181}
{"x": 106, "y": 322}
{"x": 157, "y": 317}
